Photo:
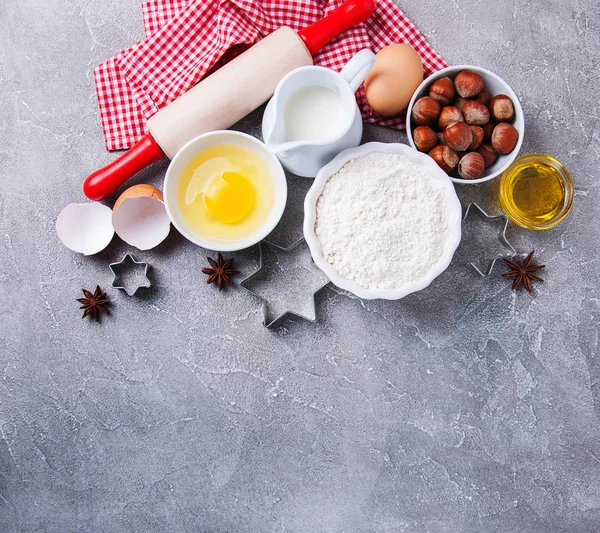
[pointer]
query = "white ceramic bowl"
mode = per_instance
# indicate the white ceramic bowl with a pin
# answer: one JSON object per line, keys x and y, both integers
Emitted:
{"x": 453, "y": 209}
{"x": 197, "y": 145}
{"x": 495, "y": 85}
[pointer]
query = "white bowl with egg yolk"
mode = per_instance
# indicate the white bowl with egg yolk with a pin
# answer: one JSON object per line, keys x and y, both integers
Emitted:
{"x": 272, "y": 212}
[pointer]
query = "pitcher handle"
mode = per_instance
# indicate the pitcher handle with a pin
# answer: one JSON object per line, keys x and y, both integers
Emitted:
{"x": 358, "y": 67}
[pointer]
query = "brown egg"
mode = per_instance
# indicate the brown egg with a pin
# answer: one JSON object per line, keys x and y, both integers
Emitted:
{"x": 397, "y": 73}
{"x": 139, "y": 190}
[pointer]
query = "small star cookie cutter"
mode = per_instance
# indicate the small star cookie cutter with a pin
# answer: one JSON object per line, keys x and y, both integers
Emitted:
{"x": 272, "y": 322}
{"x": 476, "y": 208}
{"x": 122, "y": 266}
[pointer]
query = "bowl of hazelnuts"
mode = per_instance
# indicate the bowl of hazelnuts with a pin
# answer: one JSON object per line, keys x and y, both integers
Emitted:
{"x": 468, "y": 120}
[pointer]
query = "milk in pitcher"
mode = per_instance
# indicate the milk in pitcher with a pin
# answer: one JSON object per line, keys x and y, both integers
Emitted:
{"x": 314, "y": 114}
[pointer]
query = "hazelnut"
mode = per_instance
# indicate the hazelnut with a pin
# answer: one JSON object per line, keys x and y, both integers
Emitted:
{"x": 442, "y": 90}
{"x": 476, "y": 113}
{"x": 449, "y": 115}
{"x": 458, "y": 136}
{"x": 471, "y": 166}
{"x": 502, "y": 108}
{"x": 468, "y": 84}
{"x": 426, "y": 111}
{"x": 504, "y": 138}
{"x": 425, "y": 138}
{"x": 460, "y": 102}
{"x": 488, "y": 154}
{"x": 484, "y": 97}
{"x": 477, "y": 138}
{"x": 488, "y": 129}
{"x": 446, "y": 159}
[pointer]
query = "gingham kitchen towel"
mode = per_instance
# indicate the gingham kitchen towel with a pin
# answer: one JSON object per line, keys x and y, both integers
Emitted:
{"x": 186, "y": 39}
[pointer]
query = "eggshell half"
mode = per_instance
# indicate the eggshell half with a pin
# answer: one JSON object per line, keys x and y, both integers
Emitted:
{"x": 141, "y": 221}
{"x": 85, "y": 228}
{"x": 136, "y": 191}
{"x": 397, "y": 73}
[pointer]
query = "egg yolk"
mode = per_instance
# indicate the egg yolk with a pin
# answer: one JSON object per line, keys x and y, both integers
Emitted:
{"x": 229, "y": 197}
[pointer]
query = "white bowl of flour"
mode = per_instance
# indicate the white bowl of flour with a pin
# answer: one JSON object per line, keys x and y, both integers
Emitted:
{"x": 382, "y": 220}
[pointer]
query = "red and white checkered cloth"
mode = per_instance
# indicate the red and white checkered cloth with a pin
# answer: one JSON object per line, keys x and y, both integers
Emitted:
{"x": 186, "y": 39}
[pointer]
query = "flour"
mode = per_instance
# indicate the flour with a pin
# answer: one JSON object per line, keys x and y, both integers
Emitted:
{"x": 381, "y": 221}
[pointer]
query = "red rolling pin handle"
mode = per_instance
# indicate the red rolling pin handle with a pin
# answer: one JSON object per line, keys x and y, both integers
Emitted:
{"x": 347, "y": 15}
{"x": 107, "y": 180}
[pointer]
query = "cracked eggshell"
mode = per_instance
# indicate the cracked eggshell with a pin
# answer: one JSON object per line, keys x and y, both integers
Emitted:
{"x": 85, "y": 228}
{"x": 141, "y": 221}
{"x": 139, "y": 190}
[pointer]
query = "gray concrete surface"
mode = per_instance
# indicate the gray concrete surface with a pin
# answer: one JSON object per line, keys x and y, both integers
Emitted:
{"x": 464, "y": 408}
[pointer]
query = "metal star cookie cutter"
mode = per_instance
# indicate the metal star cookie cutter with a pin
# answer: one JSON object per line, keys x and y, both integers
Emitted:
{"x": 118, "y": 268}
{"x": 502, "y": 238}
{"x": 267, "y": 322}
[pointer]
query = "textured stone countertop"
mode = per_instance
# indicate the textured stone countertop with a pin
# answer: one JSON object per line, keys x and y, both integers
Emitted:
{"x": 464, "y": 408}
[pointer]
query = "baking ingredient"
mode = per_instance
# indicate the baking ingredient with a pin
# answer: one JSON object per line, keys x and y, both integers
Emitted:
{"x": 484, "y": 97}
{"x": 476, "y": 113}
{"x": 449, "y": 115}
{"x": 94, "y": 304}
{"x": 442, "y": 90}
{"x": 471, "y": 166}
{"x": 523, "y": 273}
{"x": 136, "y": 191}
{"x": 468, "y": 84}
{"x": 504, "y": 138}
{"x": 460, "y": 102}
{"x": 220, "y": 271}
{"x": 458, "y": 136}
{"x": 488, "y": 129}
{"x": 313, "y": 114}
{"x": 446, "y": 158}
{"x": 536, "y": 191}
{"x": 229, "y": 197}
{"x": 85, "y": 228}
{"x": 477, "y": 138}
{"x": 502, "y": 108}
{"x": 473, "y": 108}
{"x": 425, "y": 111}
{"x": 225, "y": 193}
{"x": 488, "y": 154}
{"x": 397, "y": 73}
{"x": 425, "y": 138}
{"x": 141, "y": 221}
{"x": 382, "y": 221}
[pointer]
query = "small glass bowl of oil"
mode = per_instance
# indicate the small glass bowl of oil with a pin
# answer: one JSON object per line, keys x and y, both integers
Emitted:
{"x": 536, "y": 192}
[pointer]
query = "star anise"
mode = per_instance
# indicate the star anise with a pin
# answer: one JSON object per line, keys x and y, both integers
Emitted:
{"x": 220, "y": 271}
{"x": 523, "y": 273}
{"x": 94, "y": 304}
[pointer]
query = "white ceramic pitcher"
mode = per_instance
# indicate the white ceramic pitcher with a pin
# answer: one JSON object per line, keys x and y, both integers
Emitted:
{"x": 304, "y": 157}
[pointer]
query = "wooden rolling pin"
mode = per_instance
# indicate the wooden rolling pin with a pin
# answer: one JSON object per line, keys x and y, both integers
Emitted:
{"x": 226, "y": 96}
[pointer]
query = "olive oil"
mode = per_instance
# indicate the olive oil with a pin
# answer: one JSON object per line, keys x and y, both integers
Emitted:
{"x": 536, "y": 192}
